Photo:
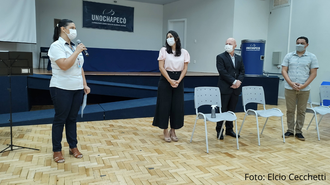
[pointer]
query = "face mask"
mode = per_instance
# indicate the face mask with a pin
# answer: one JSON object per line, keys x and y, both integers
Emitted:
{"x": 73, "y": 34}
{"x": 229, "y": 48}
{"x": 170, "y": 41}
{"x": 300, "y": 47}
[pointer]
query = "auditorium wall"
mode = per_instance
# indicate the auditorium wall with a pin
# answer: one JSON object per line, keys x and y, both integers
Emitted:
{"x": 250, "y": 20}
{"x": 302, "y": 18}
{"x": 211, "y": 22}
{"x": 147, "y": 35}
{"x": 310, "y": 18}
{"x": 277, "y": 41}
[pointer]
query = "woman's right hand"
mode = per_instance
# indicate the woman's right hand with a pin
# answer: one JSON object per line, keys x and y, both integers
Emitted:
{"x": 81, "y": 47}
{"x": 174, "y": 83}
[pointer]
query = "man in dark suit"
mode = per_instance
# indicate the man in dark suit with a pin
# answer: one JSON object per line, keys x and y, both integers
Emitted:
{"x": 231, "y": 74}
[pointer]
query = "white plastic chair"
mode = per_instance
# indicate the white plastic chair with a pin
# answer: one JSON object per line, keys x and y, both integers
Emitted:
{"x": 255, "y": 94}
{"x": 322, "y": 110}
{"x": 211, "y": 96}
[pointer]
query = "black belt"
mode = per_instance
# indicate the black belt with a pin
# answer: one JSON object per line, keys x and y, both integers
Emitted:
{"x": 174, "y": 72}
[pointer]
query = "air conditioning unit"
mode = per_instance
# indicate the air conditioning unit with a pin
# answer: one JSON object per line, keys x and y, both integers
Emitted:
{"x": 280, "y": 3}
{"x": 276, "y": 58}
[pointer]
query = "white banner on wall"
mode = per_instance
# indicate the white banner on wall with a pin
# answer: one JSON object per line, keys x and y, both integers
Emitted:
{"x": 18, "y": 21}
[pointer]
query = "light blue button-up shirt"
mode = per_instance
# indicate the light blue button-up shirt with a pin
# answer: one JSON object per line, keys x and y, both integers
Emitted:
{"x": 299, "y": 67}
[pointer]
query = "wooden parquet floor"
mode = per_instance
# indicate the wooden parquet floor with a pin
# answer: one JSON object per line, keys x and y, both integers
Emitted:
{"x": 132, "y": 151}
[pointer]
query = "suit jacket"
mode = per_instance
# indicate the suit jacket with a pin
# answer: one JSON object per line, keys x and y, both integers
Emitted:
{"x": 228, "y": 73}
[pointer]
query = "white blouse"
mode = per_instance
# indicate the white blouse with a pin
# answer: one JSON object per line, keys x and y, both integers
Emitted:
{"x": 70, "y": 79}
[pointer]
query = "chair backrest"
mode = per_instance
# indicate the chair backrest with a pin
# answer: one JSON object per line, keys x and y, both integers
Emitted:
{"x": 43, "y": 52}
{"x": 207, "y": 96}
{"x": 324, "y": 93}
{"x": 44, "y": 49}
{"x": 253, "y": 94}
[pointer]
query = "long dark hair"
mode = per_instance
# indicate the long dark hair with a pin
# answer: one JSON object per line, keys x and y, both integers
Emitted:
{"x": 57, "y": 29}
{"x": 177, "y": 44}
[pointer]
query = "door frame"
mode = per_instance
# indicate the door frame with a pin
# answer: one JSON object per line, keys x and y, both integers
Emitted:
{"x": 185, "y": 29}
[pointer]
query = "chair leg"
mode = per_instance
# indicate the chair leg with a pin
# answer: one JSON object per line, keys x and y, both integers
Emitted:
{"x": 207, "y": 143}
{"x": 317, "y": 127}
{"x": 242, "y": 125}
{"x": 193, "y": 129}
{"x": 320, "y": 120}
{"x": 39, "y": 62}
{"x": 221, "y": 128}
{"x": 282, "y": 129}
{"x": 236, "y": 135}
{"x": 310, "y": 122}
{"x": 258, "y": 130}
{"x": 264, "y": 126}
{"x": 43, "y": 64}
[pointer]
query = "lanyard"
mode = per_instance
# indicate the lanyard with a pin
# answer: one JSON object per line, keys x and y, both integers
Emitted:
{"x": 72, "y": 49}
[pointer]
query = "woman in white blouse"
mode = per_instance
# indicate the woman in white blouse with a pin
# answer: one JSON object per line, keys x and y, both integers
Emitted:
{"x": 67, "y": 86}
{"x": 173, "y": 65}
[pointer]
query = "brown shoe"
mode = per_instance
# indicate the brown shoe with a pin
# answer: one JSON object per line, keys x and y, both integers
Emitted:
{"x": 75, "y": 152}
{"x": 58, "y": 157}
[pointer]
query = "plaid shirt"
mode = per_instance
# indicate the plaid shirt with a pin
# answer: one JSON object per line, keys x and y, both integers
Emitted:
{"x": 299, "y": 67}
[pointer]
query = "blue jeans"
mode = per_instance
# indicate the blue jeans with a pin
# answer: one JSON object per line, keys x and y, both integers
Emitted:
{"x": 66, "y": 105}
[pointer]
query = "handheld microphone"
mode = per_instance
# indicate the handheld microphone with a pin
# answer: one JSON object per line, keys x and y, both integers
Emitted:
{"x": 85, "y": 51}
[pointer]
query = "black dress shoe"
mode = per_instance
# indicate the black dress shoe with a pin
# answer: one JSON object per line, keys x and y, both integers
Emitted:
{"x": 288, "y": 134}
{"x": 300, "y": 137}
{"x": 232, "y": 134}
{"x": 221, "y": 137}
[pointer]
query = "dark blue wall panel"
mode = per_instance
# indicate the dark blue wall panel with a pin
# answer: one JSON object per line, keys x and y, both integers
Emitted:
{"x": 121, "y": 60}
{"x": 270, "y": 84}
{"x": 142, "y": 87}
{"x": 20, "y": 96}
{"x": 19, "y": 89}
{"x": 91, "y": 113}
{"x": 4, "y": 94}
